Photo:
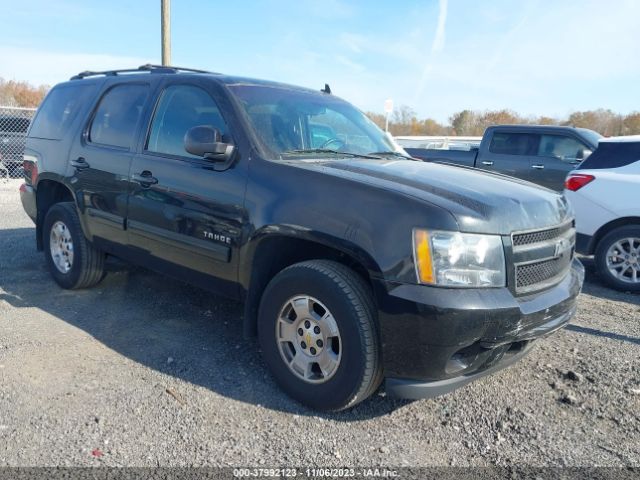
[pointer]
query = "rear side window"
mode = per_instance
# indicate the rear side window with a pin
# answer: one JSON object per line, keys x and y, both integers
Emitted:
{"x": 114, "y": 123}
{"x": 59, "y": 110}
{"x": 514, "y": 143}
{"x": 612, "y": 155}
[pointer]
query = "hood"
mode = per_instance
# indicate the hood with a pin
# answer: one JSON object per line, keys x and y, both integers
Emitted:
{"x": 481, "y": 202}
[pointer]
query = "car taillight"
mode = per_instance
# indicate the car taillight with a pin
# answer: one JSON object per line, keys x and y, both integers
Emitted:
{"x": 31, "y": 171}
{"x": 576, "y": 181}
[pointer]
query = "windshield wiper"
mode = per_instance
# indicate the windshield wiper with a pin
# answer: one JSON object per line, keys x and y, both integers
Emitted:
{"x": 395, "y": 154}
{"x": 329, "y": 151}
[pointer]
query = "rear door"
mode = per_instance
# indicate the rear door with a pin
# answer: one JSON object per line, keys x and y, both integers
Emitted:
{"x": 100, "y": 160}
{"x": 509, "y": 153}
{"x": 557, "y": 155}
{"x": 184, "y": 216}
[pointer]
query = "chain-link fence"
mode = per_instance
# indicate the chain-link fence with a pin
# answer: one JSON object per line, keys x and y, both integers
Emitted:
{"x": 14, "y": 123}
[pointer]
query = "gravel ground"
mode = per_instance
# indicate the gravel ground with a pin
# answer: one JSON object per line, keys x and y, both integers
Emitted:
{"x": 144, "y": 371}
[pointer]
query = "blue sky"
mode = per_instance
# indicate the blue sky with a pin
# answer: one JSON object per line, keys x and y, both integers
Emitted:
{"x": 538, "y": 57}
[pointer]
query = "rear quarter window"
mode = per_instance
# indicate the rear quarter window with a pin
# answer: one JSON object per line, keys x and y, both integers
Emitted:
{"x": 59, "y": 109}
{"x": 612, "y": 155}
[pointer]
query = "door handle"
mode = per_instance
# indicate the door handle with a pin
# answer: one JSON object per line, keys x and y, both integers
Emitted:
{"x": 145, "y": 178}
{"x": 79, "y": 163}
{"x": 538, "y": 167}
{"x": 487, "y": 163}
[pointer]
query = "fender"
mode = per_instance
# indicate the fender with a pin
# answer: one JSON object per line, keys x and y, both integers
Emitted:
{"x": 296, "y": 232}
{"x": 607, "y": 227}
{"x": 274, "y": 247}
{"x": 77, "y": 199}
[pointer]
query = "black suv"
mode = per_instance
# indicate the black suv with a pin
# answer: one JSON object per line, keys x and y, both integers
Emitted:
{"x": 355, "y": 262}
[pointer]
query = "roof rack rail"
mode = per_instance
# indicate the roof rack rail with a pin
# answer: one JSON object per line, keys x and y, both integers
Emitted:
{"x": 168, "y": 68}
{"x": 142, "y": 68}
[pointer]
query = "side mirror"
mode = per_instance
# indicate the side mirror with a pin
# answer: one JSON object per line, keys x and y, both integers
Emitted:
{"x": 583, "y": 154}
{"x": 205, "y": 141}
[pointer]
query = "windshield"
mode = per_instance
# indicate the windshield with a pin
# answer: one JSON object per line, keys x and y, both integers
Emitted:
{"x": 294, "y": 123}
{"x": 591, "y": 136}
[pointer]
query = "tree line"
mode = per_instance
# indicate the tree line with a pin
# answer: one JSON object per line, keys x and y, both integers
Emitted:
{"x": 404, "y": 121}
{"x": 21, "y": 94}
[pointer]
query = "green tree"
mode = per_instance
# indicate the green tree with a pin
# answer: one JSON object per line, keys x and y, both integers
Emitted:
{"x": 431, "y": 127}
{"x": 464, "y": 122}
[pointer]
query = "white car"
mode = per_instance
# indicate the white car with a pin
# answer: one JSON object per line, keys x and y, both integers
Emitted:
{"x": 605, "y": 194}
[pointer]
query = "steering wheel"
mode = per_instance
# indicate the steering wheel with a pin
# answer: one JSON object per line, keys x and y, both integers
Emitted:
{"x": 340, "y": 143}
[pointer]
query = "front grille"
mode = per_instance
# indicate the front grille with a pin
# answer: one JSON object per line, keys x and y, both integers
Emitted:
{"x": 542, "y": 258}
{"x": 541, "y": 272}
{"x": 528, "y": 238}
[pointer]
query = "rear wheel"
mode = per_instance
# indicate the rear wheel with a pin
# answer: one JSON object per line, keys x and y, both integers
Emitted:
{"x": 73, "y": 261}
{"x": 318, "y": 335}
{"x": 618, "y": 258}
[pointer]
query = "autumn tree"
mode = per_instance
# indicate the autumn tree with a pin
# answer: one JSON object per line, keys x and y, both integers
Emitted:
{"x": 377, "y": 118}
{"x": 499, "y": 117}
{"x": 403, "y": 121}
{"x": 542, "y": 120}
{"x": 604, "y": 121}
{"x": 631, "y": 124}
{"x": 430, "y": 127}
{"x": 21, "y": 94}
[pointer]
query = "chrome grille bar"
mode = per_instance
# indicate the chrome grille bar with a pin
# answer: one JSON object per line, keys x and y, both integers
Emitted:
{"x": 542, "y": 257}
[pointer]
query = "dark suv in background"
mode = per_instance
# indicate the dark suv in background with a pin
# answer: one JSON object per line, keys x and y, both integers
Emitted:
{"x": 354, "y": 261}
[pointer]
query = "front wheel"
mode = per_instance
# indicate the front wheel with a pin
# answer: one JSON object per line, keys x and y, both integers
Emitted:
{"x": 73, "y": 261}
{"x": 617, "y": 258}
{"x": 318, "y": 334}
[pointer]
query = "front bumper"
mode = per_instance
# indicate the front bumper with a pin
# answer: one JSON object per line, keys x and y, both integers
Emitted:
{"x": 437, "y": 339}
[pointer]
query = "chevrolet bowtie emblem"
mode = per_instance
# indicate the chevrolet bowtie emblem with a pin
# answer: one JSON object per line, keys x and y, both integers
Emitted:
{"x": 561, "y": 247}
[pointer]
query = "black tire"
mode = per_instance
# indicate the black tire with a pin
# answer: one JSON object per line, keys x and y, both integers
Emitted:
{"x": 621, "y": 233}
{"x": 88, "y": 263}
{"x": 350, "y": 301}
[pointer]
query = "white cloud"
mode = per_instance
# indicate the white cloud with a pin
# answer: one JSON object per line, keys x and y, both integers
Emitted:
{"x": 436, "y": 46}
{"x": 439, "y": 38}
{"x": 349, "y": 63}
{"x": 353, "y": 42}
{"x": 46, "y": 67}
{"x": 329, "y": 9}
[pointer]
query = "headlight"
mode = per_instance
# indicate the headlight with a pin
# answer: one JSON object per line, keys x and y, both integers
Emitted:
{"x": 458, "y": 259}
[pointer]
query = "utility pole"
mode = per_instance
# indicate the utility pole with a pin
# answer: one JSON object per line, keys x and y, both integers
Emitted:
{"x": 166, "y": 31}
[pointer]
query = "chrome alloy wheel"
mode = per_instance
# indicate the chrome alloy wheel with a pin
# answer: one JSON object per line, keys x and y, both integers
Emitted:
{"x": 308, "y": 339}
{"x": 623, "y": 260}
{"x": 61, "y": 246}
